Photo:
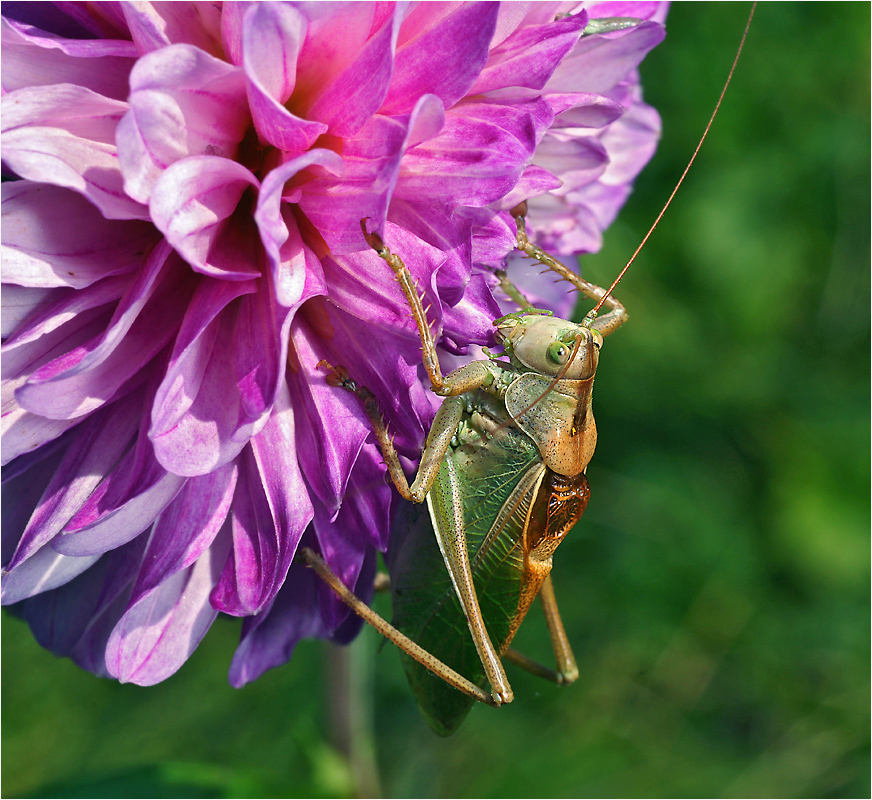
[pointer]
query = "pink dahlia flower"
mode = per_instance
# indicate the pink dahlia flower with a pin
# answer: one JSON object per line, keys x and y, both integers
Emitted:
{"x": 182, "y": 246}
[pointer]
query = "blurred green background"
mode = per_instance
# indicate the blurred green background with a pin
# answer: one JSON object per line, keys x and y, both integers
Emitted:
{"x": 717, "y": 590}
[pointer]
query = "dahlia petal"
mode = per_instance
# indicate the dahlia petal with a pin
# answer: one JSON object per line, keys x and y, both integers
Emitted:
{"x": 186, "y": 528}
{"x": 156, "y": 25}
{"x": 45, "y": 570}
{"x": 478, "y": 156}
{"x": 353, "y": 96}
{"x": 271, "y": 509}
{"x": 381, "y": 357}
{"x": 183, "y": 102}
{"x": 76, "y": 619}
{"x": 260, "y": 355}
{"x": 33, "y": 58}
{"x": 69, "y": 21}
{"x": 494, "y": 236}
{"x": 54, "y": 237}
{"x": 268, "y": 639}
{"x": 443, "y": 59}
{"x": 566, "y": 224}
{"x": 634, "y": 8}
{"x": 20, "y": 303}
{"x": 583, "y": 110}
{"x": 632, "y": 140}
{"x": 64, "y": 135}
{"x": 191, "y": 203}
{"x": 24, "y": 432}
{"x": 366, "y": 507}
{"x": 599, "y": 62}
{"x": 331, "y": 430}
{"x": 529, "y": 56}
{"x": 445, "y": 229}
{"x": 586, "y": 154}
{"x": 56, "y": 323}
{"x": 274, "y": 231}
{"x": 100, "y": 441}
{"x": 159, "y": 631}
{"x": 372, "y": 163}
{"x": 344, "y": 551}
{"x": 511, "y": 17}
{"x": 94, "y": 530}
{"x": 23, "y": 484}
{"x": 471, "y": 320}
{"x": 196, "y": 407}
{"x": 272, "y": 34}
{"x": 533, "y": 182}
{"x": 87, "y": 376}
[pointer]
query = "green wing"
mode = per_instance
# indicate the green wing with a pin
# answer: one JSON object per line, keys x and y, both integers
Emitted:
{"x": 496, "y": 482}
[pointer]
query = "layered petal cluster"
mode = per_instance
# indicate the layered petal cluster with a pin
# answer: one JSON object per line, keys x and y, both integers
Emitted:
{"x": 182, "y": 245}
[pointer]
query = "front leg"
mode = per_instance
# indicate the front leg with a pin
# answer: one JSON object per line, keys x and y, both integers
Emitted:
{"x": 439, "y": 438}
{"x": 606, "y": 323}
{"x": 475, "y": 375}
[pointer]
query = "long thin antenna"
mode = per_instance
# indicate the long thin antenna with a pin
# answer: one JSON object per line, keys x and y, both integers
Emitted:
{"x": 617, "y": 280}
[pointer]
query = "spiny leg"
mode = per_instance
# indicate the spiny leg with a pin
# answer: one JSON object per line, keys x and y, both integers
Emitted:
{"x": 474, "y": 375}
{"x": 567, "y": 670}
{"x": 438, "y": 439}
{"x": 436, "y": 472}
{"x": 422, "y": 656}
{"x": 512, "y": 292}
{"x": 605, "y": 324}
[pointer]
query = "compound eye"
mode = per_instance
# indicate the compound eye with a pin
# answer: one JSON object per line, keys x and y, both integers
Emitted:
{"x": 558, "y": 353}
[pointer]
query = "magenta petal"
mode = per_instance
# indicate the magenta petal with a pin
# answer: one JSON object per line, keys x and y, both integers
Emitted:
{"x": 274, "y": 232}
{"x": 76, "y": 619}
{"x": 346, "y": 103}
{"x": 599, "y": 62}
{"x": 343, "y": 549}
{"x": 33, "y": 58}
{"x": 533, "y": 182}
{"x": 471, "y": 320}
{"x": 65, "y": 135}
{"x": 87, "y": 376}
{"x": 156, "y": 25}
{"x": 366, "y": 507}
{"x": 94, "y": 450}
{"x": 530, "y": 55}
{"x": 272, "y": 35}
{"x": 158, "y": 632}
{"x": 24, "y": 432}
{"x": 585, "y": 156}
{"x": 186, "y": 528}
{"x": 45, "y": 570}
{"x": 372, "y": 162}
{"x": 196, "y": 407}
{"x": 443, "y": 58}
{"x": 478, "y": 156}
{"x": 192, "y": 201}
{"x": 271, "y": 509}
{"x": 583, "y": 110}
{"x": 20, "y": 303}
{"x": 331, "y": 428}
{"x": 183, "y": 102}
{"x": 96, "y": 529}
{"x": 54, "y": 237}
{"x": 269, "y": 639}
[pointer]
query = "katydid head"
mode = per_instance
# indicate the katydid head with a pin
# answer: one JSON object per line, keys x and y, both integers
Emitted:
{"x": 552, "y": 347}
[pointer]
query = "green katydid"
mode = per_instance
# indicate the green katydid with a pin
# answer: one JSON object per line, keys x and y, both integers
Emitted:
{"x": 503, "y": 477}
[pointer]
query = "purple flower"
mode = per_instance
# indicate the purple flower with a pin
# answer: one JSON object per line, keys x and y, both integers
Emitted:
{"x": 182, "y": 246}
